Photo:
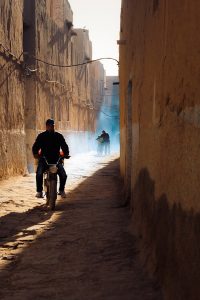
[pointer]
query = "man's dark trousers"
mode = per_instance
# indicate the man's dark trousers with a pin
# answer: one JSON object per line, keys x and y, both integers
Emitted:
{"x": 42, "y": 167}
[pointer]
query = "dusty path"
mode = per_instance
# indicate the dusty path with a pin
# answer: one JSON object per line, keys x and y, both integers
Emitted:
{"x": 81, "y": 251}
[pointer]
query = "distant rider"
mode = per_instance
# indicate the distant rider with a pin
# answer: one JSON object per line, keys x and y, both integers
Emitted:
{"x": 106, "y": 142}
{"x": 48, "y": 145}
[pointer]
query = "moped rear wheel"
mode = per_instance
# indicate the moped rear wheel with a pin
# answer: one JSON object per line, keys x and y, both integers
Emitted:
{"x": 47, "y": 197}
{"x": 52, "y": 194}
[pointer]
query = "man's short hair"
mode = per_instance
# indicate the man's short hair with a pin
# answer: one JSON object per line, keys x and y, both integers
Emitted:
{"x": 50, "y": 122}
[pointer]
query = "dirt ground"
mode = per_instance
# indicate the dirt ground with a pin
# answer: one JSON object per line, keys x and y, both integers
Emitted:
{"x": 83, "y": 250}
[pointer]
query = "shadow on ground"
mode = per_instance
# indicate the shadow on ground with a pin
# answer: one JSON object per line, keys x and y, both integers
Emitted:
{"x": 87, "y": 253}
{"x": 15, "y": 222}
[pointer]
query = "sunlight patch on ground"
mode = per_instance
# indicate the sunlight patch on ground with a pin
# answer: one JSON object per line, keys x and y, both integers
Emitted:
{"x": 18, "y": 203}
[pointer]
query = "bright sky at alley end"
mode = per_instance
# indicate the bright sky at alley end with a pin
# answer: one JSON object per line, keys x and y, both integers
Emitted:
{"x": 102, "y": 19}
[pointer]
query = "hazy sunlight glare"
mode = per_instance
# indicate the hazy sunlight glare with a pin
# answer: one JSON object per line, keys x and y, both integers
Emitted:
{"x": 102, "y": 19}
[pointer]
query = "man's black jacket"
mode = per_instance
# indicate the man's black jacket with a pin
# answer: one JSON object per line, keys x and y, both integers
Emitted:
{"x": 50, "y": 144}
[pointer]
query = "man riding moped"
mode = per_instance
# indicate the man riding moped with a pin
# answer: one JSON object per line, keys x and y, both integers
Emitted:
{"x": 47, "y": 149}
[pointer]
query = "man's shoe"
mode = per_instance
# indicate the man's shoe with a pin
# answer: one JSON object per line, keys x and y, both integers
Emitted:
{"x": 39, "y": 195}
{"x": 62, "y": 194}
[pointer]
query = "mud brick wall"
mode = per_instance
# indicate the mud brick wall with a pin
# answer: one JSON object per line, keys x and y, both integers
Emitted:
{"x": 63, "y": 94}
{"x": 52, "y": 44}
{"x": 48, "y": 88}
{"x": 41, "y": 29}
{"x": 12, "y": 133}
{"x": 160, "y": 129}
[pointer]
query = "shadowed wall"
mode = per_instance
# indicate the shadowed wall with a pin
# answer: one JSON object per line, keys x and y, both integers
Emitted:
{"x": 159, "y": 42}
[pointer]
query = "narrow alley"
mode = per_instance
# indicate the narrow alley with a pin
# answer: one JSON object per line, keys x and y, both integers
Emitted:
{"x": 115, "y": 86}
{"x": 83, "y": 250}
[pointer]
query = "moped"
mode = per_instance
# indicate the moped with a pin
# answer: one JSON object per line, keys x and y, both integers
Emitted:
{"x": 50, "y": 182}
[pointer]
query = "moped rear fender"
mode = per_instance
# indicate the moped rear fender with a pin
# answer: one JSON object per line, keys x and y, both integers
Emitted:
{"x": 52, "y": 176}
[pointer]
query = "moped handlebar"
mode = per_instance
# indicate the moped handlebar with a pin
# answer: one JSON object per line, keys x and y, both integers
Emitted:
{"x": 59, "y": 159}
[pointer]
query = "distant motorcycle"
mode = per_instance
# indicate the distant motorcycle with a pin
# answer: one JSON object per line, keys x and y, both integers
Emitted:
{"x": 50, "y": 182}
